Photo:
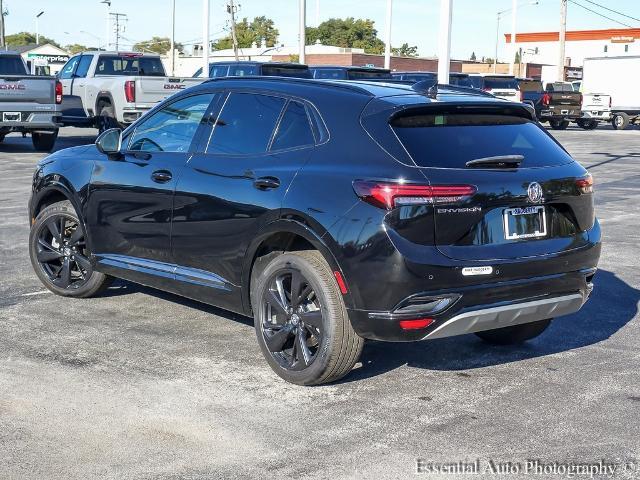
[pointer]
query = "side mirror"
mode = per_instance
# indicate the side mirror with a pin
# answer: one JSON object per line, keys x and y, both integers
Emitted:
{"x": 109, "y": 141}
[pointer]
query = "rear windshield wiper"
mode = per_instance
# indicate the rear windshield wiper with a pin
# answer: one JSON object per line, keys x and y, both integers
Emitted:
{"x": 499, "y": 161}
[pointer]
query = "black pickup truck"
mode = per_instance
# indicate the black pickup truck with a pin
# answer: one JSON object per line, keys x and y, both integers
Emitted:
{"x": 557, "y": 103}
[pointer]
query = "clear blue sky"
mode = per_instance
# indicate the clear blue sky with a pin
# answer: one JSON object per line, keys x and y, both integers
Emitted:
{"x": 414, "y": 21}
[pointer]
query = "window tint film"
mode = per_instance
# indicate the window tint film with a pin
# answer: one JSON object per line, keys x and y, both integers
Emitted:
{"x": 171, "y": 129}
{"x": 363, "y": 75}
{"x": 69, "y": 67}
{"x": 129, "y": 65}
{"x": 328, "y": 73}
{"x": 245, "y": 124}
{"x": 451, "y": 140}
{"x": 297, "y": 72}
{"x": 217, "y": 71}
{"x": 460, "y": 80}
{"x": 12, "y": 66}
{"x": 498, "y": 82}
{"x": 242, "y": 70}
{"x": 294, "y": 129}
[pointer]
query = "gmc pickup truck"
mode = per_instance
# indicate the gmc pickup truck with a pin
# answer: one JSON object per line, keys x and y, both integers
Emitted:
{"x": 557, "y": 104}
{"x": 113, "y": 89}
{"x": 28, "y": 103}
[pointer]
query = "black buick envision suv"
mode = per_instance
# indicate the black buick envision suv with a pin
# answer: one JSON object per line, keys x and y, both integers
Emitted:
{"x": 331, "y": 212}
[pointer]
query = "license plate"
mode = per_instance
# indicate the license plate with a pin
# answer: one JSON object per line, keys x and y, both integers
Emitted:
{"x": 525, "y": 222}
{"x": 10, "y": 116}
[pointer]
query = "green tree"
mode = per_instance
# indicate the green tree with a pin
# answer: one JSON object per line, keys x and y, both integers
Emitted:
{"x": 76, "y": 48}
{"x": 405, "y": 51}
{"x": 251, "y": 32}
{"x": 347, "y": 33}
{"x": 27, "y": 38}
{"x": 473, "y": 56}
{"x": 160, "y": 45}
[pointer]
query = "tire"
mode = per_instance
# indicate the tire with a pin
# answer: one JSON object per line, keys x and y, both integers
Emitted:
{"x": 620, "y": 121}
{"x": 559, "y": 124}
{"x": 107, "y": 118}
{"x": 313, "y": 342}
{"x": 514, "y": 334}
{"x": 44, "y": 142}
{"x": 587, "y": 124}
{"x": 65, "y": 270}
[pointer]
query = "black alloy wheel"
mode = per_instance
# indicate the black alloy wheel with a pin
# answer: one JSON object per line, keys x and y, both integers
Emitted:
{"x": 292, "y": 320}
{"x": 61, "y": 252}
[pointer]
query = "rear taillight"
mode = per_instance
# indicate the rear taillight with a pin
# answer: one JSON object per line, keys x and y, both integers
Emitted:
{"x": 546, "y": 99}
{"x": 486, "y": 89}
{"x": 130, "y": 91}
{"x": 58, "y": 92}
{"x": 416, "y": 323}
{"x": 585, "y": 185}
{"x": 390, "y": 195}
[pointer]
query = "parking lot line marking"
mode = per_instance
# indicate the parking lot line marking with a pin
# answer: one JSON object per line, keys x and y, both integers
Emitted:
{"x": 31, "y": 294}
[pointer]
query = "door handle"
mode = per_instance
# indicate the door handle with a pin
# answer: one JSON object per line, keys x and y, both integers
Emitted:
{"x": 161, "y": 176}
{"x": 266, "y": 183}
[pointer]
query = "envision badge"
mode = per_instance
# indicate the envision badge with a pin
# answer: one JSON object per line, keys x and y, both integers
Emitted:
{"x": 535, "y": 192}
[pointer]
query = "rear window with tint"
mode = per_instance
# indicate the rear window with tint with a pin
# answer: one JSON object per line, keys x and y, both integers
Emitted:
{"x": 559, "y": 87}
{"x": 130, "y": 65}
{"x": 451, "y": 140}
{"x": 297, "y": 72}
{"x": 363, "y": 75}
{"x": 530, "y": 86}
{"x": 461, "y": 81}
{"x": 499, "y": 83}
{"x": 12, "y": 66}
{"x": 419, "y": 78}
{"x": 328, "y": 73}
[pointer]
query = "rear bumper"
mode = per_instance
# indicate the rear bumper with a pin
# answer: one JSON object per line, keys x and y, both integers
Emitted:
{"x": 31, "y": 121}
{"x": 560, "y": 114}
{"x": 602, "y": 115}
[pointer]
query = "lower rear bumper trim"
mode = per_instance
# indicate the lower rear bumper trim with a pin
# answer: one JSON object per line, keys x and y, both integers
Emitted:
{"x": 508, "y": 315}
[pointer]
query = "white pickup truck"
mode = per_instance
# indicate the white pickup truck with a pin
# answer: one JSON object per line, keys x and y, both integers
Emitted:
{"x": 113, "y": 89}
{"x": 28, "y": 103}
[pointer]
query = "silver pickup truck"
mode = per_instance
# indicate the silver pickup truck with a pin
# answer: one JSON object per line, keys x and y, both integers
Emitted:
{"x": 28, "y": 103}
{"x": 113, "y": 89}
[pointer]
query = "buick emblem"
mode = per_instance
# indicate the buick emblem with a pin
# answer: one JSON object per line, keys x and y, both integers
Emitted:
{"x": 535, "y": 192}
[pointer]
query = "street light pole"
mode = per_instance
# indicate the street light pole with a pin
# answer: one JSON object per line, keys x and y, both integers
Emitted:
{"x": 38, "y": 27}
{"x": 387, "y": 36}
{"x": 495, "y": 58}
{"x": 173, "y": 37}
{"x": 514, "y": 18}
{"x": 205, "y": 38}
{"x": 444, "y": 50}
{"x": 108, "y": 32}
{"x": 302, "y": 35}
{"x": 561, "y": 39}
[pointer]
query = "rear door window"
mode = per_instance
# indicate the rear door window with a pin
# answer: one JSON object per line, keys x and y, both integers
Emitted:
{"x": 218, "y": 71}
{"x": 246, "y": 124}
{"x": 294, "y": 129}
{"x": 83, "y": 66}
{"x": 242, "y": 70}
{"x": 449, "y": 140}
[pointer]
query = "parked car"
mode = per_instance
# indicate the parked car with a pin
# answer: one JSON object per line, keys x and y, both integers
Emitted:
{"x": 113, "y": 89}
{"x": 245, "y": 68}
{"x": 501, "y": 86}
{"x": 455, "y": 78}
{"x": 618, "y": 78}
{"x": 596, "y": 108}
{"x": 557, "y": 103}
{"x": 331, "y": 212}
{"x": 28, "y": 103}
{"x": 339, "y": 72}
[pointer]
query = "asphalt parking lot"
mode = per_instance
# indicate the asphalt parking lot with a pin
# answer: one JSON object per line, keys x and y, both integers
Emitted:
{"x": 143, "y": 384}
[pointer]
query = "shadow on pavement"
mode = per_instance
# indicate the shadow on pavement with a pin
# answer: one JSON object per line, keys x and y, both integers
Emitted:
{"x": 613, "y": 304}
{"x": 14, "y": 143}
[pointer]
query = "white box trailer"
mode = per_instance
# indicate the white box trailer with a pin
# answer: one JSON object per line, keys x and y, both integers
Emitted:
{"x": 617, "y": 77}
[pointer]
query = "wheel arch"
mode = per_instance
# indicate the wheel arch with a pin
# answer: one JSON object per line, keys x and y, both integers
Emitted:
{"x": 103, "y": 96}
{"x": 283, "y": 235}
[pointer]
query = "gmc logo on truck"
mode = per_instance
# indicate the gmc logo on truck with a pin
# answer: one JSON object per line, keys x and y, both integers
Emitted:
{"x": 168, "y": 86}
{"x": 12, "y": 86}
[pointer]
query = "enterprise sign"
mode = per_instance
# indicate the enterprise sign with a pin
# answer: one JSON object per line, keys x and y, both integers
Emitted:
{"x": 49, "y": 58}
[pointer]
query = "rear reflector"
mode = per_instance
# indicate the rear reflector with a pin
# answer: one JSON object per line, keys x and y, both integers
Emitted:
{"x": 341, "y": 283}
{"x": 390, "y": 195}
{"x": 415, "y": 324}
{"x": 585, "y": 185}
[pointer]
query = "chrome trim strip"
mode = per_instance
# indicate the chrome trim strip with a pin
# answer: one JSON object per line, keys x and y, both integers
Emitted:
{"x": 508, "y": 315}
{"x": 167, "y": 270}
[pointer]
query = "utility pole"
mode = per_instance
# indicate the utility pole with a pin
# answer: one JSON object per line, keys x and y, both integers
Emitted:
{"x": 302, "y": 39}
{"x": 173, "y": 37}
{"x": 444, "y": 50}
{"x": 205, "y": 38}
{"x": 387, "y": 36}
{"x": 118, "y": 25}
{"x": 108, "y": 32}
{"x": 514, "y": 19}
{"x": 562, "y": 38}
{"x": 231, "y": 10}
{"x": 2, "y": 42}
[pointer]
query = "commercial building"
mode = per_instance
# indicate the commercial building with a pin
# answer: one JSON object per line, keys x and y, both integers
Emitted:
{"x": 543, "y": 47}
{"x": 44, "y": 59}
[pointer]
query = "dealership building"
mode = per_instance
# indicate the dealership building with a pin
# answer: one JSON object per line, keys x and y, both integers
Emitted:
{"x": 44, "y": 59}
{"x": 543, "y": 47}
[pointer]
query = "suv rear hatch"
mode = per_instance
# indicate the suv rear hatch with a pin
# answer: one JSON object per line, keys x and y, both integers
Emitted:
{"x": 524, "y": 197}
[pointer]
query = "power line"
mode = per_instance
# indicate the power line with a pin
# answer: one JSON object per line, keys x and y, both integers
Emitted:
{"x": 613, "y": 11}
{"x": 600, "y": 14}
